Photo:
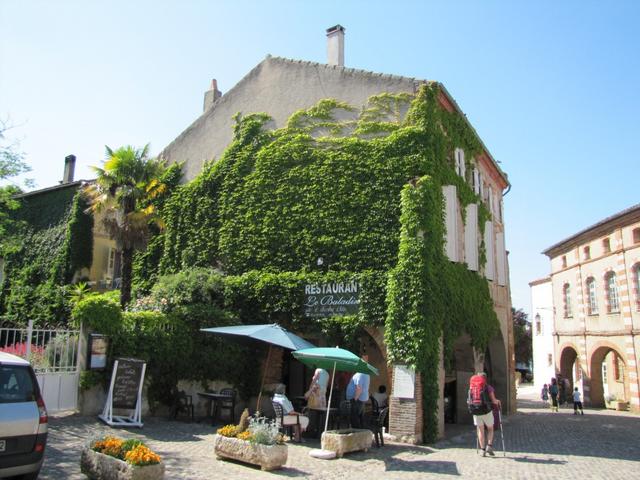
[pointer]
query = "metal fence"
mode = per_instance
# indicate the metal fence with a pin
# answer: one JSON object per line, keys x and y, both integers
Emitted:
{"x": 48, "y": 350}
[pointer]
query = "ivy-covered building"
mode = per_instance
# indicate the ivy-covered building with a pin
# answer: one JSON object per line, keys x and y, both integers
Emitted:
{"x": 306, "y": 174}
{"x": 61, "y": 244}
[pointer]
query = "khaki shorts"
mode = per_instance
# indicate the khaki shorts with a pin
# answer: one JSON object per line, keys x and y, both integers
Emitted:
{"x": 485, "y": 420}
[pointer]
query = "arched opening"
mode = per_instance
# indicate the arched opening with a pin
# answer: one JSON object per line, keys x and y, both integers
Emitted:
{"x": 609, "y": 379}
{"x": 570, "y": 374}
{"x": 458, "y": 371}
{"x": 569, "y": 366}
{"x": 497, "y": 368}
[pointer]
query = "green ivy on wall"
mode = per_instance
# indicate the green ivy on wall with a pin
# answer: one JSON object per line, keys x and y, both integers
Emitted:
{"x": 365, "y": 195}
{"x": 56, "y": 242}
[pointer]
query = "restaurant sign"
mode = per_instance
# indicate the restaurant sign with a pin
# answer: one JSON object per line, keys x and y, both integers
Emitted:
{"x": 331, "y": 299}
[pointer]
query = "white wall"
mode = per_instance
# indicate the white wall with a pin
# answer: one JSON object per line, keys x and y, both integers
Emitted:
{"x": 542, "y": 304}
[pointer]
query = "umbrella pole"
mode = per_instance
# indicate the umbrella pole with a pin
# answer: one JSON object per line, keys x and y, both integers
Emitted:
{"x": 264, "y": 374}
{"x": 333, "y": 377}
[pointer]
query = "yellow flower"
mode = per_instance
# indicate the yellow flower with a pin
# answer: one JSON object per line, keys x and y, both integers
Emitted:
{"x": 141, "y": 455}
{"x": 228, "y": 431}
{"x": 246, "y": 435}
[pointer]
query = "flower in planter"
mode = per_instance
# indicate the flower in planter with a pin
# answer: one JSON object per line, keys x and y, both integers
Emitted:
{"x": 228, "y": 431}
{"x": 265, "y": 431}
{"x": 132, "y": 451}
{"x": 141, "y": 455}
{"x": 246, "y": 435}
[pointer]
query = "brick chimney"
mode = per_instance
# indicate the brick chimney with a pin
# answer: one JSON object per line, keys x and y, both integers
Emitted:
{"x": 69, "y": 168}
{"x": 335, "y": 45}
{"x": 211, "y": 95}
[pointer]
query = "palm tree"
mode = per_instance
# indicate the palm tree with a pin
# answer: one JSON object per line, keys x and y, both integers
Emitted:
{"x": 123, "y": 191}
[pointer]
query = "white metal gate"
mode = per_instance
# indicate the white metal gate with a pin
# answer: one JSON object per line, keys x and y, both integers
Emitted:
{"x": 53, "y": 353}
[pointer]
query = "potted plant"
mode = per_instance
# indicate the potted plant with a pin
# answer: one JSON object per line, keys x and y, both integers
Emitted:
{"x": 258, "y": 442}
{"x": 611, "y": 401}
{"x": 112, "y": 458}
{"x": 347, "y": 440}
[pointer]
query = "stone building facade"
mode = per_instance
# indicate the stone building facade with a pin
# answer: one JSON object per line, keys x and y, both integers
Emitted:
{"x": 595, "y": 278}
{"x": 280, "y": 87}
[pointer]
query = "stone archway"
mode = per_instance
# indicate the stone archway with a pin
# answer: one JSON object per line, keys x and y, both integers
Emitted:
{"x": 462, "y": 367}
{"x": 570, "y": 365}
{"x": 608, "y": 375}
{"x": 497, "y": 368}
{"x": 372, "y": 343}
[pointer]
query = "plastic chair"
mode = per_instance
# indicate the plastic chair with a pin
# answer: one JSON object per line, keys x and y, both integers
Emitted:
{"x": 279, "y": 414}
{"x": 228, "y": 403}
{"x": 375, "y": 407}
{"x": 183, "y": 403}
{"x": 376, "y": 425}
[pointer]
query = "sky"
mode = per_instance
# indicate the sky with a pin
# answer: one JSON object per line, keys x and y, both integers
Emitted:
{"x": 552, "y": 88}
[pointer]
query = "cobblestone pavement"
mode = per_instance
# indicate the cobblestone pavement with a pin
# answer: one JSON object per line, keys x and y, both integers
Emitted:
{"x": 540, "y": 444}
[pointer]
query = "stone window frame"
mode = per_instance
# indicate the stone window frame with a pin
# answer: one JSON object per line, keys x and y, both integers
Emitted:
{"x": 635, "y": 276}
{"x": 566, "y": 300}
{"x": 611, "y": 292}
{"x": 592, "y": 296}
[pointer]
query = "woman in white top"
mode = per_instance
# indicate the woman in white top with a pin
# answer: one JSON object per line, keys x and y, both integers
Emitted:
{"x": 290, "y": 416}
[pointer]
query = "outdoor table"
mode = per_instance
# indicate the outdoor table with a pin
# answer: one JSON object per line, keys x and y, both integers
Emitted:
{"x": 299, "y": 403}
{"x": 213, "y": 399}
{"x": 319, "y": 414}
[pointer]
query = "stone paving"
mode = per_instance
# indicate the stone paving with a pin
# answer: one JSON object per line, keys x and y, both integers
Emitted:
{"x": 540, "y": 444}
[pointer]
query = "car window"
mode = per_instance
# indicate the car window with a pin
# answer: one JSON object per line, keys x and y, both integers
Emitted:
{"x": 16, "y": 384}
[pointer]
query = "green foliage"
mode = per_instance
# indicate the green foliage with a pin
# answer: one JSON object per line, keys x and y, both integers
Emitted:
{"x": 99, "y": 314}
{"x": 91, "y": 378}
{"x": 124, "y": 191}
{"x": 522, "y": 341}
{"x": 364, "y": 193}
{"x": 55, "y": 242}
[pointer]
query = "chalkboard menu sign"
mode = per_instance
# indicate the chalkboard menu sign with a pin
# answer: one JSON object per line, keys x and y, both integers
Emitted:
{"x": 126, "y": 385}
{"x": 125, "y": 392}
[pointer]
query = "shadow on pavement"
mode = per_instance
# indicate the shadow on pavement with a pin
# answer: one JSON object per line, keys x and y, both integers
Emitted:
{"x": 542, "y": 461}
{"x": 426, "y": 466}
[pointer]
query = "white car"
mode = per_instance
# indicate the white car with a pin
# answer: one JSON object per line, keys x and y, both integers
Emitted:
{"x": 23, "y": 419}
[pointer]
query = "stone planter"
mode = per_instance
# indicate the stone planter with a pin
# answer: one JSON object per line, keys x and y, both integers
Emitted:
{"x": 268, "y": 457}
{"x": 98, "y": 466}
{"x": 620, "y": 405}
{"x": 348, "y": 440}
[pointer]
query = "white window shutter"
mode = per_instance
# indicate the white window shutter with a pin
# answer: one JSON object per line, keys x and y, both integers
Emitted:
{"x": 471, "y": 237}
{"x": 489, "y": 269}
{"x": 450, "y": 222}
{"x": 501, "y": 257}
{"x": 476, "y": 181}
{"x": 491, "y": 200}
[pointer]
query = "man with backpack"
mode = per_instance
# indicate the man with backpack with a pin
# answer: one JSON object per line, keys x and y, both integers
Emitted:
{"x": 481, "y": 400}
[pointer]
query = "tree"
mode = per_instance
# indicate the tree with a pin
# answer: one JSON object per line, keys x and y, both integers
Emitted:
{"x": 522, "y": 336}
{"x": 12, "y": 164}
{"x": 123, "y": 191}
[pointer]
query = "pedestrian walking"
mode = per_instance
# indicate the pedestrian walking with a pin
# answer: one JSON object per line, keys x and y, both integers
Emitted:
{"x": 481, "y": 399}
{"x": 577, "y": 403}
{"x": 544, "y": 395}
{"x": 553, "y": 391}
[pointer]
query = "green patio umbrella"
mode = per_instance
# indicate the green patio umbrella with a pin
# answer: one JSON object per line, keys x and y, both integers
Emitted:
{"x": 333, "y": 359}
{"x": 273, "y": 334}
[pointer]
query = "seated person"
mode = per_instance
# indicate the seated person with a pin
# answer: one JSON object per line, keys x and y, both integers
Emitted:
{"x": 381, "y": 396}
{"x": 299, "y": 421}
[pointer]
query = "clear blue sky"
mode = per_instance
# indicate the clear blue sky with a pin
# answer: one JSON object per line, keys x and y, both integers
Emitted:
{"x": 551, "y": 87}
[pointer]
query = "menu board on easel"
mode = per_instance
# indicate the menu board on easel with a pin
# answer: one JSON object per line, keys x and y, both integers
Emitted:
{"x": 125, "y": 393}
